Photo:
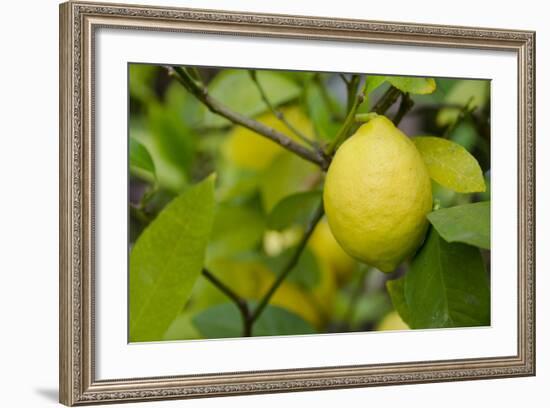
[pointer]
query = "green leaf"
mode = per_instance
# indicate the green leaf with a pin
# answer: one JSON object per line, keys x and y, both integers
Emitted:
{"x": 369, "y": 307}
{"x": 450, "y": 164}
{"x": 306, "y": 273}
{"x": 469, "y": 223}
{"x": 326, "y": 127}
{"x": 182, "y": 328}
{"x": 295, "y": 209}
{"x": 173, "y": 137}
{"x": 235, "y": 88}
{"x": 140, "y": 81}
{"x": 447, "y": 286}
{"x": 222, "y": 321}
{"x": 413, "y": 85}
{"x": 140, "y": 159}
{"x": 237, "y": 229}
{"x": 167, "y": 259}
{"x": 168, "y": 176}
{"x": 396, "y": 290}
{"x": 468, "y": 93}
{"x": 373, "y": 82}
{"x": 288, "y": 174}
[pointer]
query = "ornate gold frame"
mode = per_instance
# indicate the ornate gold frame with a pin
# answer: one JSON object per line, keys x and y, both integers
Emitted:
{"x": 78, "y": 22}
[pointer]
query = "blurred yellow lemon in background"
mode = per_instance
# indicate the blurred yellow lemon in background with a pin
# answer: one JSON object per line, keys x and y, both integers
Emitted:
{"x": 328, "y": 250}
{"x": 377, "y": 194}
{"x": 251, "y": 280}
{"x": 392, "y": 321}
{"x": 249, "y": 150}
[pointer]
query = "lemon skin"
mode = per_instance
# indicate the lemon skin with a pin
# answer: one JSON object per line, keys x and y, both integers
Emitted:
{"x": 330, "y": 253}
{"x": 377, "y": 194}
{"x": 392, "y": 321}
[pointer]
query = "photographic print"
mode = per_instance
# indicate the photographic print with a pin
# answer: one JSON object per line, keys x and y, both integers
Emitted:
{"x": 255, "y": 220}
{"x": 270, "y": 203}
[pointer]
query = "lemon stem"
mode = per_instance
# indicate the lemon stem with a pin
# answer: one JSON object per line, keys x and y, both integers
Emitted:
{"x": 365, "y": 117}
{"x": 348, "y": 122}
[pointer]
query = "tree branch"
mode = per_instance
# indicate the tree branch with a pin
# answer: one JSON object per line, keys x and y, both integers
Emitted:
{"x": 278, "y": 114}
{"x": 318, "y": 214}
{"x": 239, "y": 301}
{"x": 405, "y": 106}
{"x": 201, "y": 93}
{"x": 386, "y": 101}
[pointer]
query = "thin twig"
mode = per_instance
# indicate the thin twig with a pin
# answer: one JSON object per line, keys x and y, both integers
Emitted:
{"x": 278, "y": 113}
{"x": 239, "y": 301}
{"x": 201, "y": 93}
{"x": 348, "y": 122}
{"x": 291, "y": 263}
{"x": 343, "y": 78}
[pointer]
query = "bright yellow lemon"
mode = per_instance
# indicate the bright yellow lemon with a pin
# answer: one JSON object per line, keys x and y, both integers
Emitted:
{"x": 377, "y": 194}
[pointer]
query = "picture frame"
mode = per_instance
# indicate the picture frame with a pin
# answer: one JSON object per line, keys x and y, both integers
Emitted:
{"x": 79, "y": 24}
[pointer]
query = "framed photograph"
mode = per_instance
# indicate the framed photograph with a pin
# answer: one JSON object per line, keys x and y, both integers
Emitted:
{"x": 258, "y": 203}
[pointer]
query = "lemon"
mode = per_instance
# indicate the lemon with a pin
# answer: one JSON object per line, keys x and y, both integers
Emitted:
{"x": 377, "y": 194}
{"x": 392, "y": 321}
{"x": 329, "y": 252}
{"x": 249, "y": 150}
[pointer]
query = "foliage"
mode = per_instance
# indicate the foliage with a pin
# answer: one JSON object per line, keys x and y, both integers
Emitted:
{"x": 248, "y": 251}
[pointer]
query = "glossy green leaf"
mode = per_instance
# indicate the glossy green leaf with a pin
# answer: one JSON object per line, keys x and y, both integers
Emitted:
{"x": 222, "y": 321}
{"x": 414, "y": 85}
{"x": 141, "y": 161}
{"x": 288, "y": 174}
{"x": 295, "y": 209}
{"x": 237, "y": 228}
{"x": 396, "y": 290}
{"x": 235, "y": 88}
{"x": 166, "y": 260}
{"x": 469, "y": 94}
{"x": 306, "y": 273}
{"x": 446, "y": 286}
{"x": 450, "y": 164}
{"x": 469, "y": 223}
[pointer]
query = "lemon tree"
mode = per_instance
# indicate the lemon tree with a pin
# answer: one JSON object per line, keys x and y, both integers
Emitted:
{"x": 283, "y": 203}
